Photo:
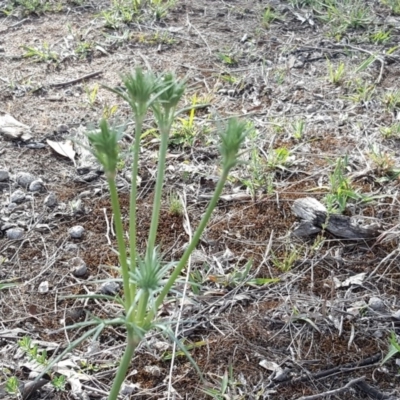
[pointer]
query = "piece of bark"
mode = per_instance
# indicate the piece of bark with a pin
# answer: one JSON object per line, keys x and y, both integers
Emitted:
{"x": 316, "y": 218}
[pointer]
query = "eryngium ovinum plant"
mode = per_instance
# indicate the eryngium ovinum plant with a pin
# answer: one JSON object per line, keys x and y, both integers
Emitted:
{"x": 147, "y": 280}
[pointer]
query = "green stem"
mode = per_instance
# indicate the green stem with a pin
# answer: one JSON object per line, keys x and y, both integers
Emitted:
{"x": 119, "y": 231}
{"x": 164, "y": 130}
{"x": 192, "y": 245}
{"x": 132, "y": 342}
{"x": 133, "y": 200}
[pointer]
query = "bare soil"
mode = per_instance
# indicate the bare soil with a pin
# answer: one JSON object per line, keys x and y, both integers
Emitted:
{"x": 307, "y": 334}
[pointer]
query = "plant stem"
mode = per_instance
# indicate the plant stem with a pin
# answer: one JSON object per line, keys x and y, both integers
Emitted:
{"x": 119, "y": 230}
{"x": 192, "y": 245}
{"x": 133, "y": 202}
{"x": 159, "y": 185}
{"x": 132, "y": 342}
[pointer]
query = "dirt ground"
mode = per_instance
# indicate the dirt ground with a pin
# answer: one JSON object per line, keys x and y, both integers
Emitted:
{"x": 322, "y": 329}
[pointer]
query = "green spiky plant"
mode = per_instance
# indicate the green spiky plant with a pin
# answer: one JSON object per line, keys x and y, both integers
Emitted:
{"x": 147, "y": 279}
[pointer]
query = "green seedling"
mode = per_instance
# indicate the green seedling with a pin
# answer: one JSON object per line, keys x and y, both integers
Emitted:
{"x": 278, "y": 158}
{"x": 392, "y": 131}
{"x": 340, "y": 191}
{"x": 147, "y": 279}
{"x": 227, "y": 59}
{"x": 32, "y": 350}
{"x": 82, "y": 49}
{"x": 380, "y": 37}
{"x": 40, "y": 54}
{"x": 391, "y": 100}
{"x": 394, "y": 348}
{"x": 91, "y": 94}
{"x": 298, "y": 128}
{"x": 286, "y": 261}
{"x": 363, "y": 66}
{"x": 362, "y": 91}
{"x": 175, "y": 206}
{"x": 268, "y": 16}
{"x": 335, "y": 75}
{"x": 385, "y": 163}
{"x": 59, "y": 383}
{"x": 185, "y": 131}
{"x": 394, "y": 5}
{"x": 223, "y": 386}
{"x": 12, "y": 386}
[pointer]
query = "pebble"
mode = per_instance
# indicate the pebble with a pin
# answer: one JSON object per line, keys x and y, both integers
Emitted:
{"x": 17, "y": 197}
{"x": 4, "y": 175}
{"x": 62, "y": 128}
{"x": 50, "y": 200}
{"x": 396, "y": 315}
{"x": 15, "y": 233}
{"x": 79, "y": 268}
{"x": 43, "y": 287}
{"x": 36, "y": 186}
{"x": 376, "y": 304}
{"x": 109, "y": 288}
{"x": 71, "y": 248}
{"x": 76, "y": 232}
{"x": 24, "y": 179}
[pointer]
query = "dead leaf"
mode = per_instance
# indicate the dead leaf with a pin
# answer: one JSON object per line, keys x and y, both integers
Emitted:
{"x": 65, "y": 149}
{"x": 13, "y": 129}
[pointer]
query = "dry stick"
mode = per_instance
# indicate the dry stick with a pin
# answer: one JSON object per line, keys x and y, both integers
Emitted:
{"x": 327, "y": 372}
{"x": 198, "y": 32}
{"x": 82, "y": 78}
{"x": 333, "y": 392}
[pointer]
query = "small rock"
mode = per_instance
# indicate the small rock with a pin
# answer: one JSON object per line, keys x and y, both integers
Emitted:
{"x": 12, "y": 206}
{"x": 62, "y": 128}
{"x": 17, "y": 197}
{"x": 43, "y": 287}
{"x": 76, "y": 232}
{"x": 376, "y": 304}
{"x": 109, "y": 288}
{"x": 15, "y": 233}
{"x": 36, "y": 186}
{"x": 153, "y": 370}
{"x": 78, "y": 267}
{"x": 71, "y": 248}
{"x": 24, "y": 179}
{"x": 4, "y": 175}
{"x": 128, "y": 388}
{"x": 50, "y": 200}
{"x": 396, "y": 315}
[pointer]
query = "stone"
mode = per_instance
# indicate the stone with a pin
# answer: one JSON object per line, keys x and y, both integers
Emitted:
{"x": 36, "y": 186}
{"x": 78, "y": 266}
{"x": 43, "y": 287}
{"x": 376, "y": 304}
{"x": 4, "y": 175}
{"x": 110, "y": 288}
{"x": 15, "y": 233}
{"x": 24, "y": 179}
{"x": 50, "y": 200}
{"x": 76, "y": 232}
{"x": 17, "y": 197}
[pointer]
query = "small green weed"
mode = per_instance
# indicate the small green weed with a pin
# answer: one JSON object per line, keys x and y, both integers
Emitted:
{"x": 362, "y": 91}
{"x": 286, "y": 261}
{"x": 298, "y": 128}
{"x": 12, "y": 386}
{"x": 392, "y": 131}
{"x": 175, "y": 206}
{"x": 335, "y": 75}
{"x": 40, "y": 54}
{"x": 91, "y": 94}
{"x": 59, "y": 383}
{"x": 394, "y": 5}
{"x": 278, "y": 158}
{"x": 32, "y": 350}
{"x": 391, "y": 100}
{"x": 222, "y": 386}
{"x": 341, "y": 190}
{"x": 380, "y": 37}
{"x": 394, "y": 348}
{"x": 385, "y": 163}
{"x": 268, "y": 16}
{"x": 227, "y": 59}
